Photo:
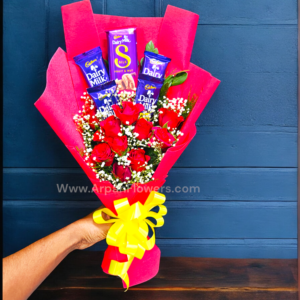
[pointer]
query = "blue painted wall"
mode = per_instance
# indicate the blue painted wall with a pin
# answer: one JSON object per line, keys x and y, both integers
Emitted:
{"x": 243, "y": 156}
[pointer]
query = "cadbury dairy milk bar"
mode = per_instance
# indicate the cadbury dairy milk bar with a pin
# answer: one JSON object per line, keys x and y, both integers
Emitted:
{"x": 122, "y": 57}
{"x": 155, "y": 64}
{"x": 92, "y": 66}
{"x": 104, "y": 96}
{"x": 148, "y": 90}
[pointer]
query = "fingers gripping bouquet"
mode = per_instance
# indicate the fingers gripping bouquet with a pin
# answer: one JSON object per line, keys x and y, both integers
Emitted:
{"x": 126, "y": 120}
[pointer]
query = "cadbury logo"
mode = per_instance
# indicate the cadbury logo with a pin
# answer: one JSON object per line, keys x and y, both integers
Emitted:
{"x": 88, "y": 63}
{"x": 155, "y": 62}
{"x": 149, "y": 87}
{"x": 117, "y": 36}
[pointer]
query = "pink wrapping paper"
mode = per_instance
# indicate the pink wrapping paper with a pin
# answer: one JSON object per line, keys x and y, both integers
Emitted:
{"x": 174, "y": 36}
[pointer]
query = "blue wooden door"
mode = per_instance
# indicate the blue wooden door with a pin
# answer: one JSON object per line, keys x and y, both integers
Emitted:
{"x": 243, "y": 157}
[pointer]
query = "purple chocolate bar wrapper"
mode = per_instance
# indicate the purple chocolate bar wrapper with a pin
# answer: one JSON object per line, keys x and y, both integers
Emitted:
{"x": 122, "y": 53}
{"x": 155, "y": 65}
{"x": 148, "y": 90}
{"x": 92, "y": 66}
{"x": 104, "y": 96}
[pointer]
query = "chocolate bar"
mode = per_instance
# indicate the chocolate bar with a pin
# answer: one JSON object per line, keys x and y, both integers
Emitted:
{"x": 92, "y": 66}
{"x": 122, "y": 57}
{"x": 148, "y": 91}
{"x": 155, "y": 65}
{"x": 104, "y": 96}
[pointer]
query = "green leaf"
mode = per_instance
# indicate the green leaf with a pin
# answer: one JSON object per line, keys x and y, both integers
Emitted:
{"x": 108, "y": 170}
{"x": 165, "y": 88}
{"x": 169, "y": 79}
{"x": 166, "y": 125}
{"x": 151, "y": 48}
{"x": 179, "y": 78}
{"x": 167, "y": 83}
{"x": 153, "y": 156}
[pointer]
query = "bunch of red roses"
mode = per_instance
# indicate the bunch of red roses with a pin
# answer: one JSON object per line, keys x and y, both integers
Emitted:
{"x": 126, "y": 147}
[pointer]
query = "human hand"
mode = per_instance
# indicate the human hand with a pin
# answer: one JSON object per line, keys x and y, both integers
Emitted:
{"x": 89, "y": 232}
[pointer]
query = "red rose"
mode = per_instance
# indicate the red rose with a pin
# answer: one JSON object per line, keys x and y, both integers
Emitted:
{"x": 170, "y": 118}
{"x": 162, "y": 137}
{"x": 138, "y": 159}
{"x": 143, "y": 128}
{"x": 129, "y": 113}
{"x": 122, "y": 172}
{"x": 102, "y": 153}
{"x": 111, "y": 126}
{"x": 118, "y": 144}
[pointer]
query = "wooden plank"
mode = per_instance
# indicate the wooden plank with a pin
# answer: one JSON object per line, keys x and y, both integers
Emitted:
{"x": 237, "y": 48}
{"x": 181, "y": 272}
{"x": 23, "y": 68}
{"x": 230, "y": 220}
{"x": 270, "y": 95}
{"x": 79, "y": 294}
{"x": 224, "y": 248}
{"x": 273, "y": 93}
{"x": 188, "y": 278}
{"x": 55, "y": 33}
{"x": 211, "y": 147}
{"x": 259, "y": 101}
{"x": 229, "y": 248}
{"x": 228, "y": 184}
{"x": 132, "y": 8}
{"x": 298, "y": 179}
{"x": 243, "y": 147}
{"x": 28, "y": 221}
{"x": 279, "y": 14}
{"x": 236, "y": 12}
{"x": 202, "y": 272}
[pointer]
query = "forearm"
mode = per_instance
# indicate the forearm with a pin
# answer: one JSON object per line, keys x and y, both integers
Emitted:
{"x": 25, "y": 270}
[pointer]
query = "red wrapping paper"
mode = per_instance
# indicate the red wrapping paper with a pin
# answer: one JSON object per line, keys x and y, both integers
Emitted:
{"x": 174, "y": 36}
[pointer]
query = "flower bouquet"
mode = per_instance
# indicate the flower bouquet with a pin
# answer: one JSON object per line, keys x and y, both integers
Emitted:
{"x": 127, "y": 119}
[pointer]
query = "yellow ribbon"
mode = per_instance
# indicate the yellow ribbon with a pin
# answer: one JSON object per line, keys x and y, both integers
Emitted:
{"x": 130, "y": 229}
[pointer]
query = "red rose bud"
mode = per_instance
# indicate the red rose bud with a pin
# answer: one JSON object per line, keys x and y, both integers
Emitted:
{"x": 92, "y": 121}
{"x": 143, "y": 128}
{"x": 170, "y": 118}
{"x": 129, "y": 113}
{"x": 118, "y": 144}
{"x": 121, "y": 172}
{"x": 111, "y": 126}
{"x": 138, "y": 159}
{"x": 98, "y": 136}
{"x": 90, "y": 111}
{"x": 102, "y": 153}
{"x": 89, "y": 105}
{"x": 162, "y": 137}
{"x": 88, "y": 160}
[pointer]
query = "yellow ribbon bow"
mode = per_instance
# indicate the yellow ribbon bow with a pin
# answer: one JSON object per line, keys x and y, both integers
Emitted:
{"x": 130, "y": 229}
